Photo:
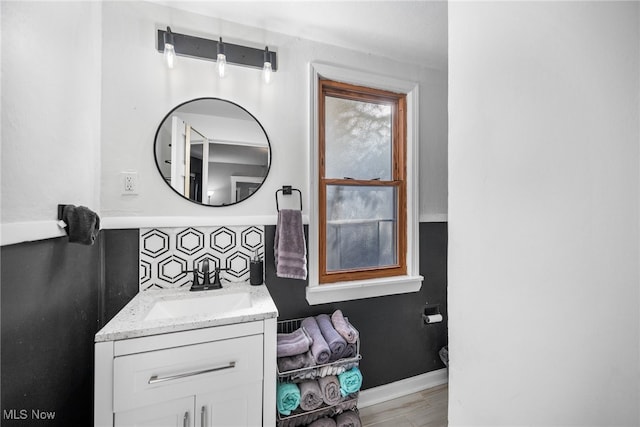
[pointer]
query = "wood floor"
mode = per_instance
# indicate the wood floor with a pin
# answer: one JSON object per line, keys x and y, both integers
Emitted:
{"x": 427, "y": 408}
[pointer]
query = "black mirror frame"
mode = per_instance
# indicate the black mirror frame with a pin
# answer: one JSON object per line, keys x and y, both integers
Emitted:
{"x": 155, "y": 156}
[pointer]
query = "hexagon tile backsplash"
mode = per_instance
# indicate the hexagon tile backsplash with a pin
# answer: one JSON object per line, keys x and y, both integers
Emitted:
{"x": 166, "y": 254}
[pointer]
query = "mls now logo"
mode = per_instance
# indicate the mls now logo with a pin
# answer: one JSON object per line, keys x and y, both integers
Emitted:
{"x": 24, "y": 414}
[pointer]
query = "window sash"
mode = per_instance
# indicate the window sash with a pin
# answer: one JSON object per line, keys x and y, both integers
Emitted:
{"x": 398, "y": 101}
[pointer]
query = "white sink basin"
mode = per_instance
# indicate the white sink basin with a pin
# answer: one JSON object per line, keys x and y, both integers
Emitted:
{"x": 198, "y": 305}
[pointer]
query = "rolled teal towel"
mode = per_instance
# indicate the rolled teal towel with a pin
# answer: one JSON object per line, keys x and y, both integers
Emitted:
{"x": 287, "y": 398}
{"x": 350, "y": 381}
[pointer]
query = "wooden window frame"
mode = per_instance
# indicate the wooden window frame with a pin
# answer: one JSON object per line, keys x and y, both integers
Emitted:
{"x": 398, "y": 180}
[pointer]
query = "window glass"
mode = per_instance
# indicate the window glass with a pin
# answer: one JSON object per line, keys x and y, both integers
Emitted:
{"x": 358, "y": 139}
{"x": 360, "y": 227}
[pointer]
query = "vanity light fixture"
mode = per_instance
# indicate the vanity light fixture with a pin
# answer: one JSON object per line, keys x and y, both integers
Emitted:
{"x": 176, "y": 44}
{"x": 266, "y": 68}
{"x": 221, "y": 60}
{"x": 169, "y": 48}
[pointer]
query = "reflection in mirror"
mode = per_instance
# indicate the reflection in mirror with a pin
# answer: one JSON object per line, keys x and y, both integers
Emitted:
{"x": 212, "y": 151}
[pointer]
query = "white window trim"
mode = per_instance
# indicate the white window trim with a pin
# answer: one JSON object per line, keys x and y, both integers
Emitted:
{"x": 358, "y": 289}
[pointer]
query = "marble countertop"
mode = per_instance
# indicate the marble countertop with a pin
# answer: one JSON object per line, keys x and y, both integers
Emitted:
{"x": 130, "y": 322}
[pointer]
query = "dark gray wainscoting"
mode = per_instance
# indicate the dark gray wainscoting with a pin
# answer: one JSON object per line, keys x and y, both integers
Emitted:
{"x": 50, "y": 295}
{"x": 56, "y": 296}
{"x": 121, "y": 255}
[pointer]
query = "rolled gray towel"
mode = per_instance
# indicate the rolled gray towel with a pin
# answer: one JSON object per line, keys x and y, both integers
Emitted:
{"x": 310, "y": 395}
{"x": 323, "y": 422}
{"x": 297, "y": 342}
{"x": 319, "y": 347}
{"x": 344, "y": 328}
{"x": 350, "y": 350}
{"x": 336, "y": 343}
{"x": 299, "y": 361}
{"x": 330, "y": 388}
{"x": 348, "y": 419}
{"x": 291, "y": 336}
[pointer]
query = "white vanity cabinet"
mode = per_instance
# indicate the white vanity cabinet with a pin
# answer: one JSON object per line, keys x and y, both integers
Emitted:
{"x": 215, "y": 376}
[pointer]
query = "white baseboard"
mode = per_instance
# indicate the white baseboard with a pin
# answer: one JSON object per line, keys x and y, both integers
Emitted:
{"x": 372, "y": 396}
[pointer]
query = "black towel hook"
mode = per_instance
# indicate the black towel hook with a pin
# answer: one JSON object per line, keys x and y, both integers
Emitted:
{"x": 287, "y": 190}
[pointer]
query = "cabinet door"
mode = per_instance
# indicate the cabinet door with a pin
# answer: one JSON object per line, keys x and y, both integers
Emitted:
{"x": 231, "y": 407}
{"x": 174, "y": 413}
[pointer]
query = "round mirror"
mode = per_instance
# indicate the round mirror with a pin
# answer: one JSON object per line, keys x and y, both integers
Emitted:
{"x": 212, "y": 151}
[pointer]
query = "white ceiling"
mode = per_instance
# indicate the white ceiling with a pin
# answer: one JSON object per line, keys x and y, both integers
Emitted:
{"x": 408, "y": 31}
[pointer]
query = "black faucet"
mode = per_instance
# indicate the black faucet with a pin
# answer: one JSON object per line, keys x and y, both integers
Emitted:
{"x": 206, "y": 280}
{"x": 216, "y": 278}
{"x": 196, "y": 280}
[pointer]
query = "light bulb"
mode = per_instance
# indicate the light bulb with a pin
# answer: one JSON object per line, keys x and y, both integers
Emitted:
{"x": 266, "y": 72}
{"x": 221, "y": 60}
{"x": 222, "y": 65}
{"x": 169, "y": 50}
{"x": 169, "y": 54}
{"x": 266, "y": 69}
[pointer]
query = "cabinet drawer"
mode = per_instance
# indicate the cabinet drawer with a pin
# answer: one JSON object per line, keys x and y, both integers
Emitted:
{"x": 147, "y": 378}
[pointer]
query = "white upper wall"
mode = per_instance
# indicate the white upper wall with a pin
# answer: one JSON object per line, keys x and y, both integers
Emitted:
{"x": 83, "y": 94}
{"x": 405, "y": 30}
{"x": 138, "y": 90}
{"x": 50, "y": 111}
{"x": 543, "y": 213}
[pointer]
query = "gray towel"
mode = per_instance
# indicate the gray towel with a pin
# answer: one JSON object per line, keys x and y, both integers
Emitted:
{"x": 292, "y": 344}
{"x": 344, "y": 328}
{"x": 348, "y": 419}
{"x": 351, "y": 350}
{"x": 310, "y": 395}
{"x": 299, "y": 361}
{"x": 319, "y": 348}
{"x": 335, "y": 341}
{"x": 289, "y": 247}
{"x": 323, "y": 422}
{"x": 83, "y": 224}
{"x": 330, "y": 388}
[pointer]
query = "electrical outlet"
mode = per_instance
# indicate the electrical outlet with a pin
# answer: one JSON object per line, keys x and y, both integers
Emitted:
{"x": 129, "y": 182}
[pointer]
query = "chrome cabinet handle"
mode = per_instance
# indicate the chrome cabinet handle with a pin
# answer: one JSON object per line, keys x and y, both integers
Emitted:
{"x": 156, "y": 379}
{"x": 185, "y": 420}
{"x": 203, "y": 416}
